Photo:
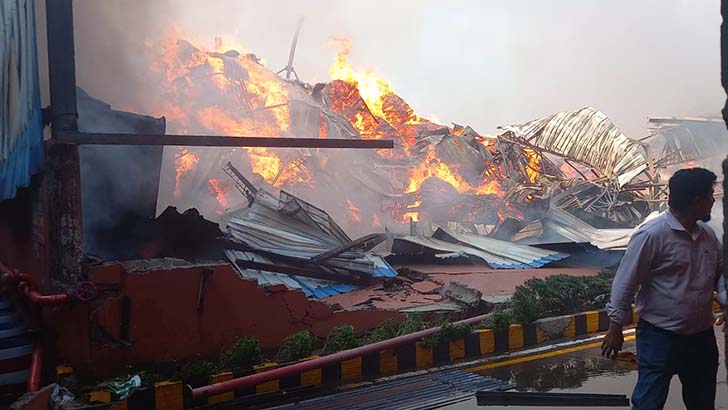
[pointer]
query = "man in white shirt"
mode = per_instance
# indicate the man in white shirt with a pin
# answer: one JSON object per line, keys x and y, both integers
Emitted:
{"x": 676, "y": 262}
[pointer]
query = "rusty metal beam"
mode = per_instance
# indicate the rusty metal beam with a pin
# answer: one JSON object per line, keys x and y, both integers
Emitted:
{"x": 83, "y": 138}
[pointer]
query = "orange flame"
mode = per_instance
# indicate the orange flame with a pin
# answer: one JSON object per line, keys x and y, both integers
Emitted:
{"x": 372, "y": 88}
{"x": 184, "y": 162}
{"x": 241, "y": 98}
{"x": 375, "y": 221}
{"x": 432, "y": 166}
{"x": 354, "y": 212}
{"x": 533, "y": 168}
{"x": 219, "y": 190}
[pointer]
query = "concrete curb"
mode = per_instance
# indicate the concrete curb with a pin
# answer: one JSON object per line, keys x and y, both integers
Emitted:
{"x": 389, "y": 362}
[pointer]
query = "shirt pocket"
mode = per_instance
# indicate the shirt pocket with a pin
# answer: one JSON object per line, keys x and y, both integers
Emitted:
{"x": 709, "y": 265}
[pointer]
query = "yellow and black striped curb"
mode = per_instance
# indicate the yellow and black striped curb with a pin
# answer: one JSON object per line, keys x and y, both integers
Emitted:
{"x": 405, "y": 358}
{"x": 161, "y": 396}
{"x": 414, "y": 356}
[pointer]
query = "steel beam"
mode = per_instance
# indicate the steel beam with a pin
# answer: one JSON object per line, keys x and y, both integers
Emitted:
{"x": 84, "y": 138}
{"x": 537, "y": 399}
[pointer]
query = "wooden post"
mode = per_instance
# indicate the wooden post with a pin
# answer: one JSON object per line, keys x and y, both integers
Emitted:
{"x": 63, "y": 168}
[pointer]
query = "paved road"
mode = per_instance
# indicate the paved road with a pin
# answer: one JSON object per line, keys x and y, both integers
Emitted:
{"x": 586, "y": 371}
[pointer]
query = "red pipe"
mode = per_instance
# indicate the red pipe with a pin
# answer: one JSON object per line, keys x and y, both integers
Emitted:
{"x": 10, "y": 276}
{"x": 36, "y": 368}
{"x": 254, "y": 379}
{"x": 36, "y": 297}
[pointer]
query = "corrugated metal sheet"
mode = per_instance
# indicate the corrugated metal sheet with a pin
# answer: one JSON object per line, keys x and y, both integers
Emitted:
{"x": 576, "y": 230}
{"x": 21, "y": 129}
{"x": 272, "y": 226}
{"x": 315, "y": 288}
{"x": 428, "y": 391}
{"x": 588, "y": 136}
{"x": 518, "y": 256}
{"x": 497, "y": 254}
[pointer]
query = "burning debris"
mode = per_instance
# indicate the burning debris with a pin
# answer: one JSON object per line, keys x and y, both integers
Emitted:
{"x": 488, "y": 185}
{"x": 461, "y": 196}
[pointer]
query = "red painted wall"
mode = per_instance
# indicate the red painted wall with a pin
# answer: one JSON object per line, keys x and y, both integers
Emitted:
{"x": 165, "y": 324}
{"x": 23, "y": 235}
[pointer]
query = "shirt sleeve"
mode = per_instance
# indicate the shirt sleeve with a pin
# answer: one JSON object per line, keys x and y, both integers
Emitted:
{"x": 720, "y": 286}
{"x": 633, "y": 270}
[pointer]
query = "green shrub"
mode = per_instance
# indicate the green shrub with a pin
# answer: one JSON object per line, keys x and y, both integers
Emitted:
{"x": 198, "y": 372}
{"x": 412, "y": 323}
{"x": 560, "y": 294}
{"x": 341, "y": 338}
{"x": 386, "y": 330}
{"x": 244, "y": 353}
{"x": 296, "y": 347}
{"x": 448, "y": 332}
{"x": 499, "y": 320}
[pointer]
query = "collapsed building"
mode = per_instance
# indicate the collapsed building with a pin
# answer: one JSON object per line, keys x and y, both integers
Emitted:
{"x": 273, "y": 241}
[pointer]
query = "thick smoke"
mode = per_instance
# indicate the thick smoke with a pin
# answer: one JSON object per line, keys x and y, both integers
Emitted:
{"x": 479, "y": 63}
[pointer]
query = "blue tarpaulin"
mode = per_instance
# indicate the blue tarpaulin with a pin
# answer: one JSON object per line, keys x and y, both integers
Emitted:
{"x": 21, "y": 129}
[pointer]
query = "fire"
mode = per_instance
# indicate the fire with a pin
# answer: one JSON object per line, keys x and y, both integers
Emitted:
{"x": 375, "y": 221}
{"x": 414, "y": 216}
{"x": 227, "y": 92}
{"x": 219, "y": 190}
{"x": 354, "y": 212}
{"x": 184, "y": 162}
{"x": 432, "y": 166}
{"x": 373, "y": 89}
{"x": 292, "y": 172}
{"x": 241, "y": 98}
{"x": 533, "y": 169}
{"x": 491, "y": 187}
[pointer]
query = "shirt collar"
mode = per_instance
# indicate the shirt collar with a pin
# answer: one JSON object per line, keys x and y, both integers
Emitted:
{"x": 673, "y": 223}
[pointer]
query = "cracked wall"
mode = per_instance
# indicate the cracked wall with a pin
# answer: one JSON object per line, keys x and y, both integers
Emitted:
{"x": 153, "y": 316}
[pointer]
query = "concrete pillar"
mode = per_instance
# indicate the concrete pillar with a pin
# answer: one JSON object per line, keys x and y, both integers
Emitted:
{"x": 63, "y": 174}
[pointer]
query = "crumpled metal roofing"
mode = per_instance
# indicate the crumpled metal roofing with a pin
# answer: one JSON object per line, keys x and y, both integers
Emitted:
{"x": 426, "y": 391}
{"x": 588, "y": 136}
{"x": 497, "y": 254}
{"x": 576, "y": 230}
{"x": 515, "y": 256}
{"x": 316, "y": 288}
{"x": 293, "y": 228}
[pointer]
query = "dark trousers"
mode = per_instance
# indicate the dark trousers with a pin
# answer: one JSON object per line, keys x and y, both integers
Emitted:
{"x": 662, "y": 354}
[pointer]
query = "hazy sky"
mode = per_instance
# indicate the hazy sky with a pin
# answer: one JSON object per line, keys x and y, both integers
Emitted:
{"x": 483, "y": 63}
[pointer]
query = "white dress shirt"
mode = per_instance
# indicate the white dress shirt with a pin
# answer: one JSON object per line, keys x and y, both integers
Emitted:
{"x": 676, "y": 272}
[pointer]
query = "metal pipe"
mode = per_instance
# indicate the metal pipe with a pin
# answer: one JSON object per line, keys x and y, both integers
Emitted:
{"x": 36, "y": 368}
{"x": 255, "y": 379}
{"x": 36, "y": 297}
{"x": 11, "y": 277}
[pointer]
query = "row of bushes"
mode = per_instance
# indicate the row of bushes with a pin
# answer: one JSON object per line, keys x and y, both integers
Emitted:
{"x": 535, "y": 299}
{"x": 553, "y": 296}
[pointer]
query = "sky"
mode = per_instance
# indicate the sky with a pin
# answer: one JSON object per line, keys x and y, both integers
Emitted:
{"x": 480, "y": 63}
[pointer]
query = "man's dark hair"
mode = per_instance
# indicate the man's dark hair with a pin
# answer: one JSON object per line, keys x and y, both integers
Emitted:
{"x": 686, "y": 185}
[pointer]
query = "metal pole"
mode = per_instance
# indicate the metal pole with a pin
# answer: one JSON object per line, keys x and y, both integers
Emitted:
{"x": 63, "y": 167}
{"x": 289, "y": 67}
{"x": 216, "y": 141}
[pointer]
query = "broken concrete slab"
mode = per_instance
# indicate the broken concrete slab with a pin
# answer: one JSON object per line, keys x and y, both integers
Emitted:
{"x": 462, "y": 293}
{"x": 425, "y": 286}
